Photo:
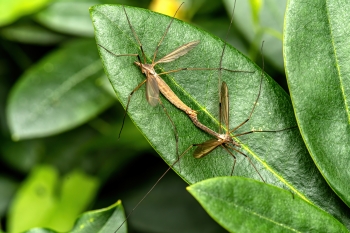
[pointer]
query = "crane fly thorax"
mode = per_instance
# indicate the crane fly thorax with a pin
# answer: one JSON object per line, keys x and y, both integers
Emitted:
{"x": 146, "y": 68}
{"x": 224, "y": 137}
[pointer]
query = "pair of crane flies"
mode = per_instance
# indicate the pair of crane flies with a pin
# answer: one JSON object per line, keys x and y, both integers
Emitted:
{"x": 154, "y": 85}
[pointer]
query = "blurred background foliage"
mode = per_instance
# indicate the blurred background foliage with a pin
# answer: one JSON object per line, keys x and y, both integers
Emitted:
{"x": 59, "y": 119}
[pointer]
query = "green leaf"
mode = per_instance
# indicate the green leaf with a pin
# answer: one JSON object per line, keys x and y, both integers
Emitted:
{"x": 41, "y": 202}
{"x": 317, "y": 66}
{"x": 34, "y": 195}
{"x": 281, "y": 158}
{"x": 58, "y": 93}
{"x": 14, "y": 9}
{"x": 261, "y": 20}
{"x": 77, "y": 192}
{"x": 105, "y": 220}
{"x": 30, "y": 34}
{"x": 244, "y": 205}
{"x": 71, "y": 17}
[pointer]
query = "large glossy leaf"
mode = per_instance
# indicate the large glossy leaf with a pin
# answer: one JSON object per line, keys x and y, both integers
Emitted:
{"x": 281, "y": 158}
{"x": 240, "y": 205}
{"x": 317, "y": 65}
{"x": 103, "y": 221}
{"x": 58, "y": 93}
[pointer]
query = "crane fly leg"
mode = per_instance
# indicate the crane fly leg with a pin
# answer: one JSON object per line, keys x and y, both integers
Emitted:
{"x": 127, "y": 105}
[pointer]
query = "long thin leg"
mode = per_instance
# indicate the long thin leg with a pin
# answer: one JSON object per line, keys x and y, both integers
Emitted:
{"x": 219, "y": 81}
{"x": 264, "y": 131}
{"x": 120, "y": 55}
{"x": 257, "y": 98}
{"x": 138, "y": 86}
{"x": 220, "y": 75}
{"x": 251, "y": 113}
{"x": 166, "y": 31}
{"x": 250, "y": 161}
{"x": 181, "y": 69}
{"x": 127, "y": 105}
{"x": 223, "y": 51}
{"x": 135, "y": 36}
{"x": 161, "y": 177}
{"x": 234, "y": 157}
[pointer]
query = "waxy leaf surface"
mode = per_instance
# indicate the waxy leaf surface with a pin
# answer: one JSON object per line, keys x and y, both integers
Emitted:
{"x": 317, "y": 55}
{"x": 245, "y": 205}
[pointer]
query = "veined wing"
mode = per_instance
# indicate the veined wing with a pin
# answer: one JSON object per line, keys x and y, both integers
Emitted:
{"x": 224, "y": 106}
{"x": 205, "y": 148}
{"x": 152, "y": 90}
{"x": 180, "y": 51}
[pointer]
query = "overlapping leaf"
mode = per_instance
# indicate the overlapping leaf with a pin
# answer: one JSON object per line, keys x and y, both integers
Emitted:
{"x": 104, "y": 221}
{"x": 317, "y": 48}
{"x": 58, "y": 93}
{"x": 240, "y": 205}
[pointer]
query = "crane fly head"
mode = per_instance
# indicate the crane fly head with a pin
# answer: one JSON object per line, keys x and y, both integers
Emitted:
{"x": 145, "y": 68}
{"x": 227, "y": 139}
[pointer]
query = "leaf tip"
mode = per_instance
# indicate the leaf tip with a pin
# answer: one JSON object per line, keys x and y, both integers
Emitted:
{"x": 190, "y": 189}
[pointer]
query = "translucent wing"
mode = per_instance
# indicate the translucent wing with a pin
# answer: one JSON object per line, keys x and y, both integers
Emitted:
{"x": 205, "y": 148}
{"x": 152, "y": 91}
{"x": 180, "y": 51}
{"x": 224, "y": 105}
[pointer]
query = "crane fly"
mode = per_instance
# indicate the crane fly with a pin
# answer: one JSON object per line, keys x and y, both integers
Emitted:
{"x": 223, "y": 140}
{"x": 152, "y": 87}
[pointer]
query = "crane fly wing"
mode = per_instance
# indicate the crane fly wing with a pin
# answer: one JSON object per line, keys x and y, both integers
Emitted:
{"x": 152, "y": 91}
{"x": 225, "y": 105}
{"x": 180, "y": 51}
{"x": 205, "y": 148}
